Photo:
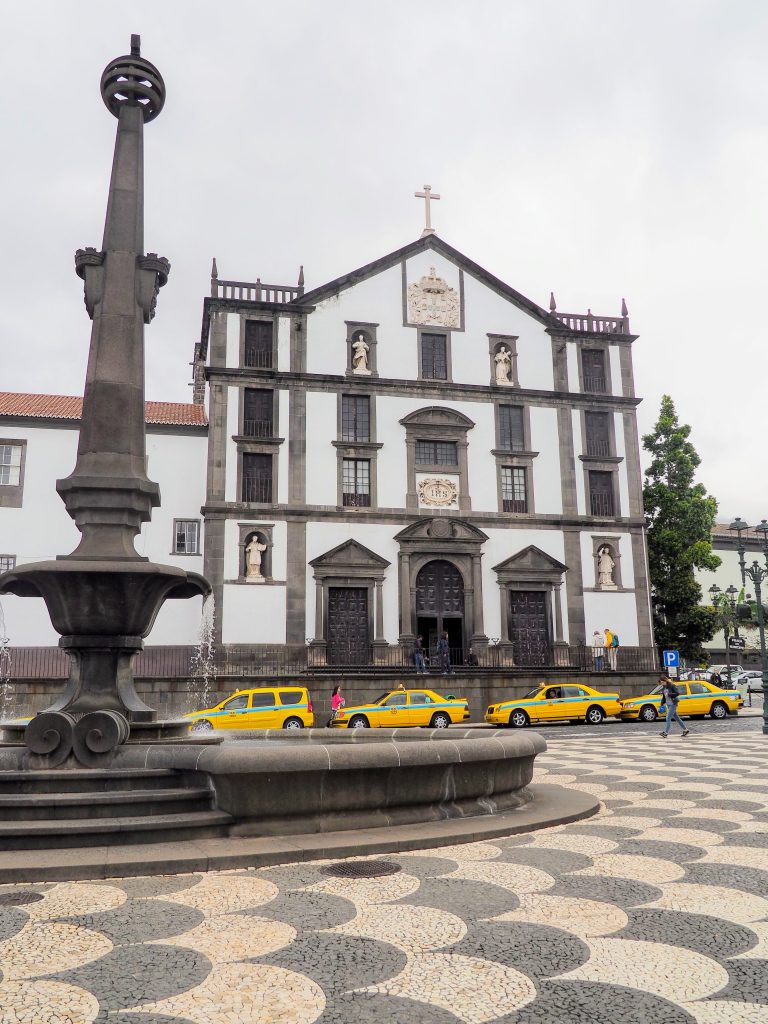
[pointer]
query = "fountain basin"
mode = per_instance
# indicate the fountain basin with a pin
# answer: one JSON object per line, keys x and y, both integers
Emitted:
{"x": 290, "y": 783}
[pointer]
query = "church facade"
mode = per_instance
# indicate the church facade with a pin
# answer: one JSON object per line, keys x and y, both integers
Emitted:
{"x": 416, "y": 449}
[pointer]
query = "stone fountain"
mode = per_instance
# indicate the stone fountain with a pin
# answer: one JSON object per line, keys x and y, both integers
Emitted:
{"x": 151, "y": 781}
{"x": 103, "y": 598}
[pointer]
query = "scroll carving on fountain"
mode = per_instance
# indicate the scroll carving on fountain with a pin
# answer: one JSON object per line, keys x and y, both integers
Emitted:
{"x": 103, "y": 598}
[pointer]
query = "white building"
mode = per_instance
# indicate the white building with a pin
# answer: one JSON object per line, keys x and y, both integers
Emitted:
{"x": 38, "y": 445}
{"x": 417, "y": 448}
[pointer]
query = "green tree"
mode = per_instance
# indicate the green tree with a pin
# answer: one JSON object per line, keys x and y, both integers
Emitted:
{"x": 679, "y": 515}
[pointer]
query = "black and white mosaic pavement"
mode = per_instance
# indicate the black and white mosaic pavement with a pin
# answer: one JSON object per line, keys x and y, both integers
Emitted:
{"x": 655, "y": 910}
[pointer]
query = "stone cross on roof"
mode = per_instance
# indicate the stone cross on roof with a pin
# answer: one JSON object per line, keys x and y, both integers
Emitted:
{"x": 427, "y": 195}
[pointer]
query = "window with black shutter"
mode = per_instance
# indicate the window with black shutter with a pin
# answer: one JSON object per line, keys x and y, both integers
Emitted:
{"x": 257, "y": 412}
{"x": 434, "y": 362}
{"x": 257, "y": 477}
{"x": 600, "y": 493}
{"x": 258, "y": 343}
{"x": 511, "y": 428}
{"x": 355, "y": 418}
{"x": 598, "y": 439}
{"x": 593, "y": 370}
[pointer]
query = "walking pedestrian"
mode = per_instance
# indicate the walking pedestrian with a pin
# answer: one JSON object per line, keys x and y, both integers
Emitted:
{"x": 612, "y": 649}
{"x": 337, "y": 702}
{"x": 418, "y": 656}
{"x": 444, "y": 654}
{"x": 670, "y": 697}
{"x": 598, "y": 650}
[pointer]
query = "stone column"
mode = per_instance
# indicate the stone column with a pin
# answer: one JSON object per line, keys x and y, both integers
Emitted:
{"x": 406, "y": 624}
{"x": 379, "y": 642}
{"x": 560, "y": 647}
{"x": 479, "y": 638}
{"x": 505, "y": 645}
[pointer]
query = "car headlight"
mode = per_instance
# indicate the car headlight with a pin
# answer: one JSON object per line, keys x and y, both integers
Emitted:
{"x": 632, "y": 705}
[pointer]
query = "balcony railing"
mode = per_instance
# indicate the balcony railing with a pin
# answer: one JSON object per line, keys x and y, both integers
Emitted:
{"x": 257, "y": 489}
{"x": 601, "y": 504}
{"x": 255, "y": 291}
{"x": 595, "y": 383}
{"x": 257, "y": 428}
{"x": 598, "y": 448}
{"x": 514, "y": 504}
{"x": 356, "y": 500}
{"x": 257, "y": 358}
{"x": 590, "y": 324}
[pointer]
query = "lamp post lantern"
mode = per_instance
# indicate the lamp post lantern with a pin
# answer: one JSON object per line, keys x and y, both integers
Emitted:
{"x": 757, "y": 574}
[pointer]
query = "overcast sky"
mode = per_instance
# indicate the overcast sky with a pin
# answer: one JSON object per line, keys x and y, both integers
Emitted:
{"x": 596, "y": 148}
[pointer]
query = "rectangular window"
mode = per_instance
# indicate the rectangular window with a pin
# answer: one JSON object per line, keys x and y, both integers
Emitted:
{"x": 10, "y": 465}
{"x": 258, "y": 407}
{"x": 186, "y": 537}
{"x": 600, "y": 493}
{"x": 434, "y": 361}
{"x": 437, "y": 453}
{"x": 355, "y": 418}
{"x": 598, "y": 439}
{"x": 257, "y": 478}
{"x": 356, "y": 483}
{"x": 7, "y": 562}
{"x": 258, "y": 343}
{"x": 511, "y": 428}
{"x": 263, "y": 700}
{"x": 514, "y": 490}
{"x": 593, "y": 370}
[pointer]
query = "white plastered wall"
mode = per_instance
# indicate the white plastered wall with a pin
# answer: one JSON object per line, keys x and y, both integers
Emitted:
{"x": 321, "y": 457}
{"x": 233, "y": 339}
{"x": 617, "y": 612}
{"x": 547, "y": 486}
{"x": 572, "y": 362}
{"x": 621, "y": 451}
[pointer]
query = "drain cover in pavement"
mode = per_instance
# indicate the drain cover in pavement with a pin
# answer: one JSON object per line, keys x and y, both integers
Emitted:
{"x": 363, "y": 869}
{"x": 18, "y": 899}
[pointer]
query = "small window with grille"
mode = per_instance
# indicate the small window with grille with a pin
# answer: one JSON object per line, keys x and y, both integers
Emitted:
{"x": 434, "y": 356}
{"x": 514, "y": 490}
{"x": 257, "y": 412}
{"x": 7, "y": 562}
{"x": 598, "y": 435}
{"x": 601, "y": 493}
{"x": 593, "y": 370}
{"x": 437, "y": 453}
{"x": 257, "y": 477}
{"x": 186, "y": 536}
{"x": 355, "y": 418}
{"x": 356, "y": 483}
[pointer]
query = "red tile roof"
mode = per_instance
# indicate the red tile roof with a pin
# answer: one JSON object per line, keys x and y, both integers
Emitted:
{"x": 70, "y": 407}
{"x": 721, "y": 530}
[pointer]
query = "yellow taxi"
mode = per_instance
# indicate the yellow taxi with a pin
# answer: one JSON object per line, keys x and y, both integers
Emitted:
{"x": 572, "y": 701}
{"x": 697, "y": 697}
{"x": 397, "y": 708}
{"x": 266, "y": 707}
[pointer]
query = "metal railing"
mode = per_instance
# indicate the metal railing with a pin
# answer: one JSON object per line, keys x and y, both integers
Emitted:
{"x": 257, "y": 428}
{"x": 257, "y": 489}
{"x": 257, "y": 358}
{"x": 600, "y": 504}
{"x": 598, "y": 448}
{"x": 595, "y": 383}
{"x": 350, "y": 500}
{"x": 292, "y": 660}
{"x": 514, "y": 504}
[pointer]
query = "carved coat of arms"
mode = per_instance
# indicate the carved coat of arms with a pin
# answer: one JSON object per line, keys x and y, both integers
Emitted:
{"x": 437, "y": 491}
{"x": 433, "y": 301}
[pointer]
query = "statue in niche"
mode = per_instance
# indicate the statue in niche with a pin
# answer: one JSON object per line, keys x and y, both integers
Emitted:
{"x": 253, "y": 553}
{"x": 360, "y": 356}
{"x": 503, "y": 361}
{"x": 605, "y": 567}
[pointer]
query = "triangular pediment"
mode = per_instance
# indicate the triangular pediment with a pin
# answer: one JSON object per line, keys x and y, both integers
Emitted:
{"x": 350, "y": 553}
{"x": 441, "y": 529}
{"x": 531, "y": 560}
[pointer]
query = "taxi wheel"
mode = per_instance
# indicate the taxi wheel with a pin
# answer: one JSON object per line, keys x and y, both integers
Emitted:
{"x": 293, "y": 723}
{"x": 519, "y": 719}
{"x": 648, "y": 713}
{"x": 719, "y": 710}
{"x": 359, "y": 722}
{"x": 203, "y": 726}
{"x": 595, "y": 715}
{"x": 440, "y": 721}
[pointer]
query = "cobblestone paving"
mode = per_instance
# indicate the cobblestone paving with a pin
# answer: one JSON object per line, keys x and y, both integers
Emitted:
{"x": 655, "y": 910}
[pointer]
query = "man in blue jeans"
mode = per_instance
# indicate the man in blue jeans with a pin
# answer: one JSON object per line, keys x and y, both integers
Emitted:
{"x": 670, "y": 697}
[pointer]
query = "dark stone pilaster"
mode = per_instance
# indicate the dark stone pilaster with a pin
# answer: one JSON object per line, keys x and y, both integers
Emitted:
{"x": 574, "y": 587}
{"x": 567, "y": 460}
{"x": 296, "y": 587}
{"x": 297, "y": 446}
{"x": 213, "y": 569}
{"x": 632, "y": 462}
{"x": 642, "y": 588}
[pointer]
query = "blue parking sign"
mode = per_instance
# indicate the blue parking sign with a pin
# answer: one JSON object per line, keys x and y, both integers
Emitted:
{"x": 671, "y": 659}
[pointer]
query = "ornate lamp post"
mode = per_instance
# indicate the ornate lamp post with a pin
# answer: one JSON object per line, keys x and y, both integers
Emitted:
{"x": 757, "y": 575}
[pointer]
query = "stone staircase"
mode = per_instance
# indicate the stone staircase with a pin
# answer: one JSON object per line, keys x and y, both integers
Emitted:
{"x": 43, "y": 810}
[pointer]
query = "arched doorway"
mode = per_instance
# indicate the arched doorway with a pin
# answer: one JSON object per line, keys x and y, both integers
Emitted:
{"x": 440, "y": 606}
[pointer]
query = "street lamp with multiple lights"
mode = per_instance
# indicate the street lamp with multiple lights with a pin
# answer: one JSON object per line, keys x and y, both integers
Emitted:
{"x": 757, "y": 575}
{"x": 728, "y": 600}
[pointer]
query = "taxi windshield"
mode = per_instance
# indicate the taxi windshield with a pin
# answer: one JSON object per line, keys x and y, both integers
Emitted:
{"x": 383, "y": 697}
{"x": 531, "y": 693}
{"x": 656, "y": 689}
